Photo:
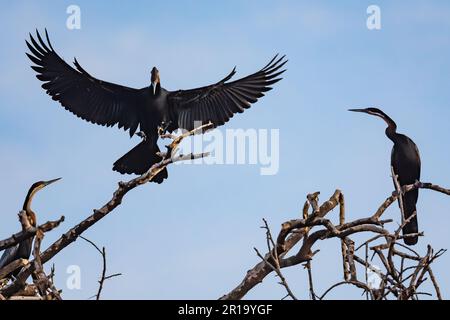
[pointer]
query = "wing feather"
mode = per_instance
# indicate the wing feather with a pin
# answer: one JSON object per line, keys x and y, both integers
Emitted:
{"x": 91, "y": 99}
{"x": 219, "y": 102}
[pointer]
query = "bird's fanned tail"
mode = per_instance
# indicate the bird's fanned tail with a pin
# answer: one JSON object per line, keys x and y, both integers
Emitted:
{"x": 139, "y": 160}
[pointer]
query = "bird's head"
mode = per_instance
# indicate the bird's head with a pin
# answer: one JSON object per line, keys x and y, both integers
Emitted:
{"x": 41, "y": 185}
{"x": 155, "y": 79}
{"x": 373, "y": 111}
{"x": 34, "y": 189}
{"x": 378, "y": 113}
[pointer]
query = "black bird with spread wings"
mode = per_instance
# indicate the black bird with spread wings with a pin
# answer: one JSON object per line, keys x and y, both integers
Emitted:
{"x": 107, "y": 104}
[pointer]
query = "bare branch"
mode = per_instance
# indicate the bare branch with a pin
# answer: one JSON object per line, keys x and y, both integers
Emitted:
{"x": 392, "y": 281}
{"x": 29, "y": 233}
{"x": 103, "y": 276}
{"x": 123, "y": 188}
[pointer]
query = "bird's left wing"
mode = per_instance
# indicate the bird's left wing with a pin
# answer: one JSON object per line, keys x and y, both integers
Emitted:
{"x": 219, "y": 102}
{"x": 419, "y": 161}
{"x": 91, "y": 99}
{"x": 8, "y": 256}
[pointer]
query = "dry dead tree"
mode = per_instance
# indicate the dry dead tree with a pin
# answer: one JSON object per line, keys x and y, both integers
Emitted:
{"x": 401, "y": 282}
{"x": 43, "y": 285}
{"x": 397, "y": 280}
{"x": 103, "y": 277}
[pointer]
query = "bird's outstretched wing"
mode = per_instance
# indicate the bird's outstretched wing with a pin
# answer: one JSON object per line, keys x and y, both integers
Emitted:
{"x": 219, "y": 102}
{"x": 96, "y": 101}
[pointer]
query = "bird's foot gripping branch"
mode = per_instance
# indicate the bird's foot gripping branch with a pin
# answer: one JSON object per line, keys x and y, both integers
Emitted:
{"x": 42, "y": 287}
{"x": 389, "y": 269}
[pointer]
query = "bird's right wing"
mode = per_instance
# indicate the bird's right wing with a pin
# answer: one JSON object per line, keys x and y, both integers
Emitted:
{"x": 93, "y": 100}
{"x": 219, "y": 102}
{"x": 8, "y": 256}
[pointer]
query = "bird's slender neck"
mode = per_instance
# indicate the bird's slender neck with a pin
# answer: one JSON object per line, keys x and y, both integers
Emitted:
{"x": 27, "y": 206}
{"x": 29, "y": 199}
{"x": 391, "y": 130}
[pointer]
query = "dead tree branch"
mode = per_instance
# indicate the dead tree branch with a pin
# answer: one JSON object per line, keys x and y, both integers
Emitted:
{"x": 70, "y": 236}
{"x": 274, "y": 262}
{"x": 42, "y": 282}
{"x": 392, "y": 279}
{"x": 29, "y": 232}
{"x": 103, "y": 277}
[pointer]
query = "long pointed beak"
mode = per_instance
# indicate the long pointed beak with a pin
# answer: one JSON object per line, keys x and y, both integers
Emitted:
{"x": 357, "y": 110}
{"x": 51, "y": 181}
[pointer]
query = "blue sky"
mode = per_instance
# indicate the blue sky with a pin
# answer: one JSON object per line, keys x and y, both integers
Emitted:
{"x": 192, "y": 237}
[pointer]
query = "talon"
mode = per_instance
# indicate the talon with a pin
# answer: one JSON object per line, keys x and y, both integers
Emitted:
{"x": 142, "y": 135}
{"x": 162, "y": 129}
